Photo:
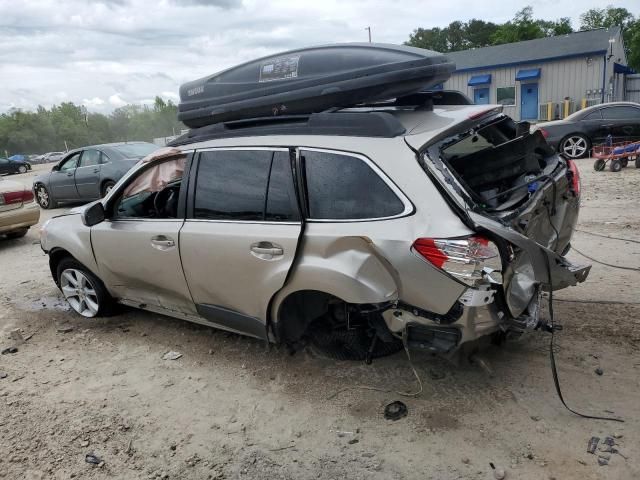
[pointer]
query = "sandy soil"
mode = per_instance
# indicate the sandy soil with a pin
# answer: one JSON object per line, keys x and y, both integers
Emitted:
{"x": 233, "y": 408}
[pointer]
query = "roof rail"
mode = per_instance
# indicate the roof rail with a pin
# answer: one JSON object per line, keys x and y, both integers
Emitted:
{"x": 343, "y": 123}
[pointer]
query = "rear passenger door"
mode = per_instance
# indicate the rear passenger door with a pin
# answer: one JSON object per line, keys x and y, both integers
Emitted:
{"x": 88, "y": 175}
{"x": 241, "y": 234}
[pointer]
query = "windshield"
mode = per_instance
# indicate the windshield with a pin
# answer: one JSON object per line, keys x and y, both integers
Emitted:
{"x": 130, "y": 150}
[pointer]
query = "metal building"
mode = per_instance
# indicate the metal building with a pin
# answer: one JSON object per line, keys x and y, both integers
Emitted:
{"x": 546, "y": 78}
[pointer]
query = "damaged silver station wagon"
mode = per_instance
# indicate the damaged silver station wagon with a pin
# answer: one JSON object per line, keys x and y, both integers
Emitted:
{"x": 355, "y": 231}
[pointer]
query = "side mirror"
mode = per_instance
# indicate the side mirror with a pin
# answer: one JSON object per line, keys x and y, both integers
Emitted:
{"x": 55, "y": 168}
{"x": 93, "y": 214}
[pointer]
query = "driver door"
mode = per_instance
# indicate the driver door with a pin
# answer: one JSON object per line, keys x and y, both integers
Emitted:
{"x": 62, "y": 180}
{"x": 136, "y": 249}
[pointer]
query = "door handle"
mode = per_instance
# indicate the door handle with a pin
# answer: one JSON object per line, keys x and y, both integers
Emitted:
{"x": 70, "y": 174}
{"x": 162, "y": 242}
{"x": 266, "y": 250}
{"x": 96, "y": 170}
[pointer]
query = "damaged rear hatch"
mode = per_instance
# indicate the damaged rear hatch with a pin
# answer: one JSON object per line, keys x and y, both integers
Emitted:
{"x": 508, "y": 184}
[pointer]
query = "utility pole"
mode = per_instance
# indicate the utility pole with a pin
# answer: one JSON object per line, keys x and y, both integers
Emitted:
{"x": 369, "y": 30}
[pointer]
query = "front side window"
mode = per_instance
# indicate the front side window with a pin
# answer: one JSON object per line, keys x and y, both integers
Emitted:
{"x": 154, "y": 192}
{"x": 593, "y": 116}
{"x": 621, "y": 113}
{"x": 506, "y": 95}
{"x": 70, "y": 163}
{"x": 245, "y": 185}
{"x": 344, "y": 187}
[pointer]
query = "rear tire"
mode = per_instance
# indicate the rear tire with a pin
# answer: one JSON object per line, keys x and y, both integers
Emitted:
{"x": 106, "y": 187}
{"x": 17, "y": 234}
{"x": 340, "y": 343}
{"x": 84, "y": 292}
{"x": 575, "y": 146}
{"x": 615, "y": 165}
{"x": 22, "y": 169}
{"x": 599, "y": 165}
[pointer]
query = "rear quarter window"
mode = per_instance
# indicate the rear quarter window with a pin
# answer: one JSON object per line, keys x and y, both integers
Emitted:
{"x": 345, "y": 187}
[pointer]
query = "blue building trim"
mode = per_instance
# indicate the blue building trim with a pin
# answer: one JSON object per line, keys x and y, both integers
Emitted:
{"x": 531, "y": 62}
{"x": 476, "y": 80}
{"x": 528, "y": 74}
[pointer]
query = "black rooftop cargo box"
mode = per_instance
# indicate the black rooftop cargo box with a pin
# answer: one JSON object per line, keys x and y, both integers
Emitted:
{"x": 311, "y": 80}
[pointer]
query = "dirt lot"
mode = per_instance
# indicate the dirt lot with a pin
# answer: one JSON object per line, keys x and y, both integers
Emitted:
{"x": 231, "y": 408}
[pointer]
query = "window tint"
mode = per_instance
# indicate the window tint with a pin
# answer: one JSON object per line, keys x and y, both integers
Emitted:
{"x": 71, "y": 163}
{"x": 621, "y": 113}
{"x": 343, "y": 187}
{"x": 281, "y": 197}
{"x": 593, "y": 116}
{"x": 90, "y": 158}
{"x": 232, "y": 184}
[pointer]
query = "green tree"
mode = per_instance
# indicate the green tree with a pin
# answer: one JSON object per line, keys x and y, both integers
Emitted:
{"x": 616, "y": 17}
{"x": 522, "y": 27}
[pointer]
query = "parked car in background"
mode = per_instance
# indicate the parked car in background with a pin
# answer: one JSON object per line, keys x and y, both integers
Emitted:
{"x": 88, "y": 173}
{"x": 575, "y": 135}
{"x": 24, "y": 159}
{"x": 8, "y": 167}
{"x": 52, "y": 157}
{"x": 18, "y": 210}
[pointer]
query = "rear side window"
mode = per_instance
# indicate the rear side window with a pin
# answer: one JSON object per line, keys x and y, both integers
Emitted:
{"x": 247, "y": 185}
{"x": 344, "y": 187}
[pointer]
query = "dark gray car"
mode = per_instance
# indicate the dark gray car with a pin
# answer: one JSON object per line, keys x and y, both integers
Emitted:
{"x": 88, "y": 173}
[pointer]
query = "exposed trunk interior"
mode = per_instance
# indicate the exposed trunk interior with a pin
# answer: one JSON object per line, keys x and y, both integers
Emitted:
{"x": 498, "y": 162}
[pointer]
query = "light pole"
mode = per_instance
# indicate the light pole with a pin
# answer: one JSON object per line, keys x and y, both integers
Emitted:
{"x": 369, "y": 30}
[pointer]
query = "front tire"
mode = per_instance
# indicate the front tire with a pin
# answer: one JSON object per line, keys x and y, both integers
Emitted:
{"x": 599, "y": 165}
{"x": 44, "y": 197}
{"x": 575, "y": 146}
{"x": 22, "y": 169}
{"x": 85, "y": 293}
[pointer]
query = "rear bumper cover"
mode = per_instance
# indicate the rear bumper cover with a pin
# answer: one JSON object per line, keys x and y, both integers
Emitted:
{"x": 19, "y": 218}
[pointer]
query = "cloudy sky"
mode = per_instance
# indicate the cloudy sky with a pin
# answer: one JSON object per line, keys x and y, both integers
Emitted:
{"x": 106, "y": 53}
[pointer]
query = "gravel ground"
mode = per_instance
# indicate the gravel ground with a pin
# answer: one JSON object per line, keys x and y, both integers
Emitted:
{"x": 232, "y": 408}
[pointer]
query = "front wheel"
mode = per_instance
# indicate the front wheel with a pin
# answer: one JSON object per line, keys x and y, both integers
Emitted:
{"x": 84, "y": 292}
{"x": 22, "y": 169}
{"x": 575, "y": 146}
{"x": 44, "y": 198}
{"x": 599, "y": 165}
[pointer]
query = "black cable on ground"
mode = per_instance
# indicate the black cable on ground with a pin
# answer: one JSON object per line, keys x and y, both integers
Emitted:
{"x": 552, "y": 328}
{"x": 621, "y": 267}
{"x": 608, "y": 236}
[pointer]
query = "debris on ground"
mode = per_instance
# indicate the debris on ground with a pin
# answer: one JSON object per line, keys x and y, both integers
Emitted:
{"x": 16, "y": 336}
{"x": 171, "y": 355}
{"x": 395, "y": 410}
{"x": 9, "y": 350}
{"x": 599, "y": 371}
{"x": 592, "y": 445}
{"x": 64, "y": 328}
{"x": 602, "y": 461}
{"x": 92, "y": 459}
{"x": 436, "y": 374}
{"x": 3, "y": 375}
{"x": 498, "y": 472}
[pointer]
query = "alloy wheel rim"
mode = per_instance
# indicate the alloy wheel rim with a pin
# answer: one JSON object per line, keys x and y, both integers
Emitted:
{"x": 43, "y": 197}
{"x": 79, "y": 292}
{"x": 108, "y": 188}
{"x": 575, "y": 147}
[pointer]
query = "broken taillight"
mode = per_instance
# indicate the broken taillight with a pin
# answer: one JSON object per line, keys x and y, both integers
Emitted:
{"x": 463, "y": 258}
{"x": 574, "y": 176}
